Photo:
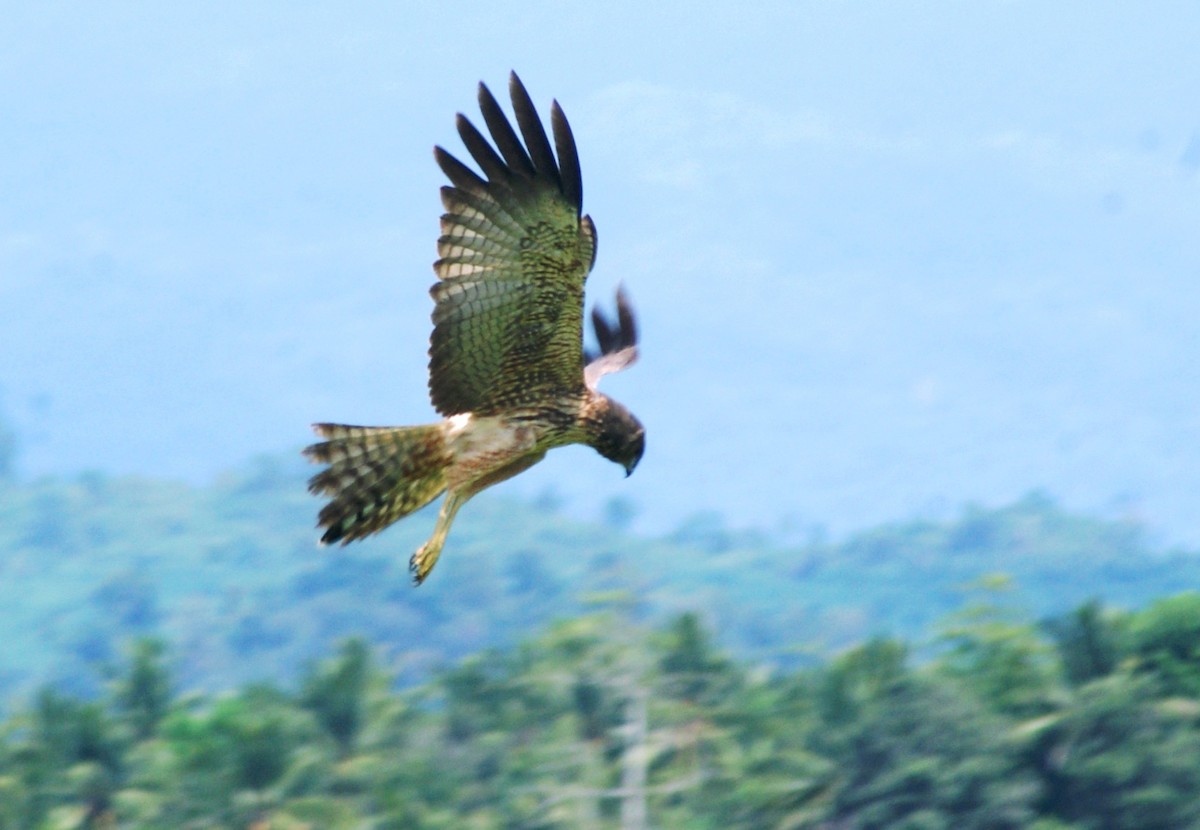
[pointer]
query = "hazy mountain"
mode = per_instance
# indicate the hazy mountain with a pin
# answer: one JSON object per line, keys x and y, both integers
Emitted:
{"x": 230, "y": 574}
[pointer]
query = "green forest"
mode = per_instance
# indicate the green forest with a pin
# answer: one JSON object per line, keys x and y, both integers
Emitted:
{"x": 1090, "y": 720}
{"x": 181, "y": 656}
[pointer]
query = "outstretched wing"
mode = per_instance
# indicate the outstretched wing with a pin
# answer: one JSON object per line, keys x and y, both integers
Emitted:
{"x": 617, "y": 341}
{"x": 514, "y": 254}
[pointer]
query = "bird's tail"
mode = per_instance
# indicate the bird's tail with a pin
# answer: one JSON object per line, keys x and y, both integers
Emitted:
{"x": 376, "y": 475}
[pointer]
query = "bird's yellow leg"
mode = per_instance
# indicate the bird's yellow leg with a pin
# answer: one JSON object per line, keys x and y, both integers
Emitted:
{"x": 426, "y": 557}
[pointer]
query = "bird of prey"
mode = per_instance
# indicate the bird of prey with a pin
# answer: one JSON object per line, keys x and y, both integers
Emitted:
{"x": 507, "y": 366}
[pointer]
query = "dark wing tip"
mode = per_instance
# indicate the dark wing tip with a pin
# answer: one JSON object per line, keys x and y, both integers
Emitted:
{"x": 489, "y": 160}
{"x": 568, "y": 156}
{"x": 606, "y": 332}
{"x": 533, "y": 132}
{"x": 617, "y": 341}
{"x": 504, "y": 135}
{"x": 459, "y": 174}
{"x": 526, "y": 155}
{"x": 515, "y": 83}
{"x": 626, "y": 320}
{"x": 612, "y": 335}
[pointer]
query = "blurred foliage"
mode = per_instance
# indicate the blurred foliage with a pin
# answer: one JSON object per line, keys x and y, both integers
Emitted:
{"x": 603, "y": 722}
{"x": 183, "y": 657}
{"x": 230, "y": 577}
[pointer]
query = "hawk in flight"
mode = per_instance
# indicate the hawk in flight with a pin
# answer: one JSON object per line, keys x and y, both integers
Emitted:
{"x": 507, "y": 367}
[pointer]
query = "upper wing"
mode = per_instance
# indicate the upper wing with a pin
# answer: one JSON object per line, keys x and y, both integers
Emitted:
{"x": 514, "y": 254}
{"x": 617, "y": 341}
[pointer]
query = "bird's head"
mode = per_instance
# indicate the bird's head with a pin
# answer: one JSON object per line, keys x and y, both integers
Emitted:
{"x": 619, "y": 437}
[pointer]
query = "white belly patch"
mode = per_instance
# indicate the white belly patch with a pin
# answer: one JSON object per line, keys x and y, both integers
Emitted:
{"x": 483, "y": 443}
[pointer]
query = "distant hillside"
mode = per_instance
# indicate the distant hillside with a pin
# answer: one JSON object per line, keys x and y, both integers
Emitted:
{"x": 232, "y": 577}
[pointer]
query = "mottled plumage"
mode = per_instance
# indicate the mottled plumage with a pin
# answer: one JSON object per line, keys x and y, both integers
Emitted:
{"x": 506, "y": 361}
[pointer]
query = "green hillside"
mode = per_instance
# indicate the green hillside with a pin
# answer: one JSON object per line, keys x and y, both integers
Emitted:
{"x": 231, "y": 577}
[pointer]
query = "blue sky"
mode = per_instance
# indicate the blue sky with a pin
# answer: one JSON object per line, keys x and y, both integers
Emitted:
{"x": 890, "y": 257}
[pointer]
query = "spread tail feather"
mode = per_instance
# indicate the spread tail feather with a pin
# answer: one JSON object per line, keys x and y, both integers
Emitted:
{"x": 375, "y": 476}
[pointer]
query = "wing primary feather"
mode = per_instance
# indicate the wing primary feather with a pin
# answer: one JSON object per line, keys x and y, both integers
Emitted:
{"x": 503, "y": 134}
{"x": 459, "y": 174}
{"x": 626, "y": 323}
{"x": 568, "y": 156}
{"x": 533, "y": 131}
{"x": 606, "y": 337}
{"x": 489, "y": 160}
{"x": 617, "y": 341}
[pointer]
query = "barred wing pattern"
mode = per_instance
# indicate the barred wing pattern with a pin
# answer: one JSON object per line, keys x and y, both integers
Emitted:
{"x": 514, "y": 254}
